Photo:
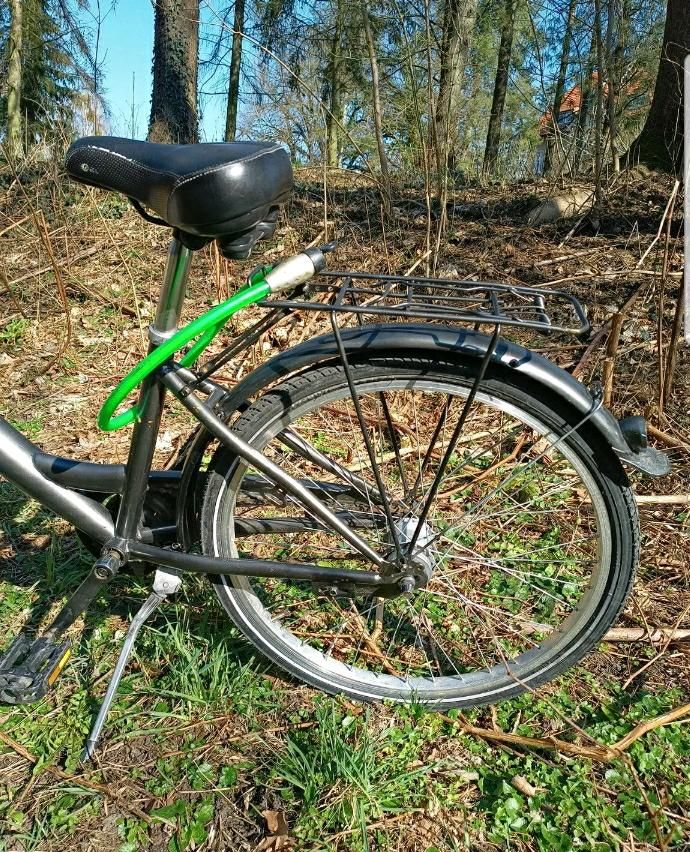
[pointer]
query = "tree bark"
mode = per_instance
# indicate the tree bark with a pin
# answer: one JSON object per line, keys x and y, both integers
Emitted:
{"x": 660, "y": 144}
{"x": 235, "y": 68}
{"x": 493, "y": 136}
{"x": 458, "y": 22}
{"x": 175, "y": 55}
{"x": 378, "y": 112}
{"x": 599, "y": 117}
{"x": 335, "y": 85}
{"x": 580, "y": 138}
{"x": 14, "y": 81}
{"x": 560, "y": 83}
{"x": 612, "y": 79}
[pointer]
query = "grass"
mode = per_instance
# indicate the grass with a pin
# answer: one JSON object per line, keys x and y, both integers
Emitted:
{"x": 209, "y": 741}
{"x": 208, "y": 747}
{"x": 14, "y": 331}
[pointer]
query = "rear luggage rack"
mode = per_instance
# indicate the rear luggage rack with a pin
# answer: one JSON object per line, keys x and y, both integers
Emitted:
{"x": 446, "y": 300}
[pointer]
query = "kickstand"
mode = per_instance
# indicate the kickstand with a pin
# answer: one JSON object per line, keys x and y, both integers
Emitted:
{"x": 165, "y": 583}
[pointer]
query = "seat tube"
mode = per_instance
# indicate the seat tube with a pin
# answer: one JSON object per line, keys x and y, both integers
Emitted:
{"x": 152, "y": 392}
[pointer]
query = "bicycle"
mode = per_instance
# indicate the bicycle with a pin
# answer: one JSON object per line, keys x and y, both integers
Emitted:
{"x": 405, "y": 509}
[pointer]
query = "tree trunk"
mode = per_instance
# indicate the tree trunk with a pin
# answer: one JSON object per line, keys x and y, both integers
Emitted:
{"x": 599, "y": 117}
{"x": 560, "y": 84}
{"x": 14, "y": 81}
{"x": 458, "y": 23}
{"x": 493, "y": 136}
{"x": 335, "y": 85}
{"x": 235, "y": 67}
{"x": 660, "y": 145}
{"x": 585, "y": 106}
{"x": 175, "y": 54}
{"x": 378, "y": 112}
{"x": 613, "y": 81}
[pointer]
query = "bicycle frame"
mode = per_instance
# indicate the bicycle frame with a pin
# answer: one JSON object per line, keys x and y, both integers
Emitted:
{"x": 51, "y": 479}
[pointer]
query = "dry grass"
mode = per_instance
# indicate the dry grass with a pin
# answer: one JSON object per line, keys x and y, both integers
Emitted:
{"x": 110, "y": 263}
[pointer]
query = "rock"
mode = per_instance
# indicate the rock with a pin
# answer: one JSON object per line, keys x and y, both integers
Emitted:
{"x": 561, "y": 206}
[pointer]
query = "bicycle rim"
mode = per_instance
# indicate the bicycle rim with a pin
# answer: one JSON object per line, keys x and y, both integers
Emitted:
{"x": 519, "y": 544}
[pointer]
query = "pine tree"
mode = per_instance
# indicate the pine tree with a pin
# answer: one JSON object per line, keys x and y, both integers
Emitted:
{"x": 661, "y": 142}
{"x": 175, "y": 55}
{"x": 42, "y": 73}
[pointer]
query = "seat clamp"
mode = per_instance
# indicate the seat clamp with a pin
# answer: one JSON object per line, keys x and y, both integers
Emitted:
{"x": 157, "y": 337}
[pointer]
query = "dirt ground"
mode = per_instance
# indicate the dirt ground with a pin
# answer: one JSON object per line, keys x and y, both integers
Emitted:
{"x": 79, "y": 274}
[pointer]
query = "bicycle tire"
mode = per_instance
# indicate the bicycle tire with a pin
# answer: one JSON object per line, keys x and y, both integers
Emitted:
{"x": 506, "y": 397}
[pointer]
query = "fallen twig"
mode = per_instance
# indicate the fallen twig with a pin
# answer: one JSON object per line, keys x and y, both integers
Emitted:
{"x": 660, "y": 654}
{"x": 610, "y": 359}
{"x": 15, "y": 224}
{"x": 62, "y": 293}
{"x": 6, "y": 287}
{"x": 417, "y": 262}
{"x": 563, "y": 257}
{"x": 61, "y": 775}
{"x": 667, "y": 439}
{"x": 603, "y": 331}
{"x": 601, "y": 753}
{"x": 639, "y": 634}
{"x": 662, "y": 499}
{"x": 656, "y": 239}
{"x": 672, "y": 352}
{"x": 43, "y": 269}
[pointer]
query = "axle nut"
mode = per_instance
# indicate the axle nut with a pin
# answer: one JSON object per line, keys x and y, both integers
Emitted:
{"x": 407, "y": 585}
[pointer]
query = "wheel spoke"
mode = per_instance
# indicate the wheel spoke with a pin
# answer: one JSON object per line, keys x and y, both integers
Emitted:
{"x": 509, "y": 545}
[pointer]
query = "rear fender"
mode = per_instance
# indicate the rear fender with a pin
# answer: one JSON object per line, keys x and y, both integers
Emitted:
{"x": 456, "y": 343}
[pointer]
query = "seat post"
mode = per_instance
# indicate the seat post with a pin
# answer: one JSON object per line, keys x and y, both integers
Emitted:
{"x": 152, "y": 393}
{"x": 172, "y": 292}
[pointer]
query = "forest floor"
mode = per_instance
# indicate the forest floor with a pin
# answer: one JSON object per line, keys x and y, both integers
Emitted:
{"x": 209, "y": 746}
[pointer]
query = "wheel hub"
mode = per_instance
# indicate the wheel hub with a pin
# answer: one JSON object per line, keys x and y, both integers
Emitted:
{"x": 423, "y": 561}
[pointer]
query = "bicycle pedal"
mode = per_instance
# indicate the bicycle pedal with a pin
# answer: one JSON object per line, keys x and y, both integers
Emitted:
{"x": 29, "y": 667}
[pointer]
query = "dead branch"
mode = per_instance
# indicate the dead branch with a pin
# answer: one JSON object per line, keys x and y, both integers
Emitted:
{"x": 669, "y": 203}
{"x": 661, "y": 365}
{"x": 672, "y": 352}
{"x": 562, "y": 258}
{"x": 42, "y": 271}
{"x": 667, "y": 439}
{"x": 662, "y": 499}
{"x": 42, "y": 229}
{"x": 6, "y": 287}
{"x": 639, "y": 634}
{"x": 601, "y": 334}
{"x": 651, "y": 725}
{"x": 610, "y": 359}
{"x": 600, "y": 753}
{"x": 660, "y": 654}
{"x": 15, "y": 225}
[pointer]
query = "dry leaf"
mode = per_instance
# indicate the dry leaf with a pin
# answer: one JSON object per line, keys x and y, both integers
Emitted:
{"x": 275, "y": 822}
{"x": 523, "y": 786}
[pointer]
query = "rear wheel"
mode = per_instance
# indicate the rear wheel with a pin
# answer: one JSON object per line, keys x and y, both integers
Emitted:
{"x": 524, "y": 557}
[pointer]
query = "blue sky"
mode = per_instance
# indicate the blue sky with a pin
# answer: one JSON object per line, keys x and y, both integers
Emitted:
{"x": 126, "y": 46}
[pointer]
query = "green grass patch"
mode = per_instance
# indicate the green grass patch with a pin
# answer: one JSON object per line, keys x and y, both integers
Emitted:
{"x": 205, "y": 737}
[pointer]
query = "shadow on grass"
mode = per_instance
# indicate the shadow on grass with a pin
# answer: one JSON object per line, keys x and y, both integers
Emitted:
{"x": 189, "y": 644}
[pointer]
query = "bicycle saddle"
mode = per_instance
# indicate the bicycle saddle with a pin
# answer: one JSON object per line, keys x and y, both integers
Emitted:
{"x": 228, "y": 191}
